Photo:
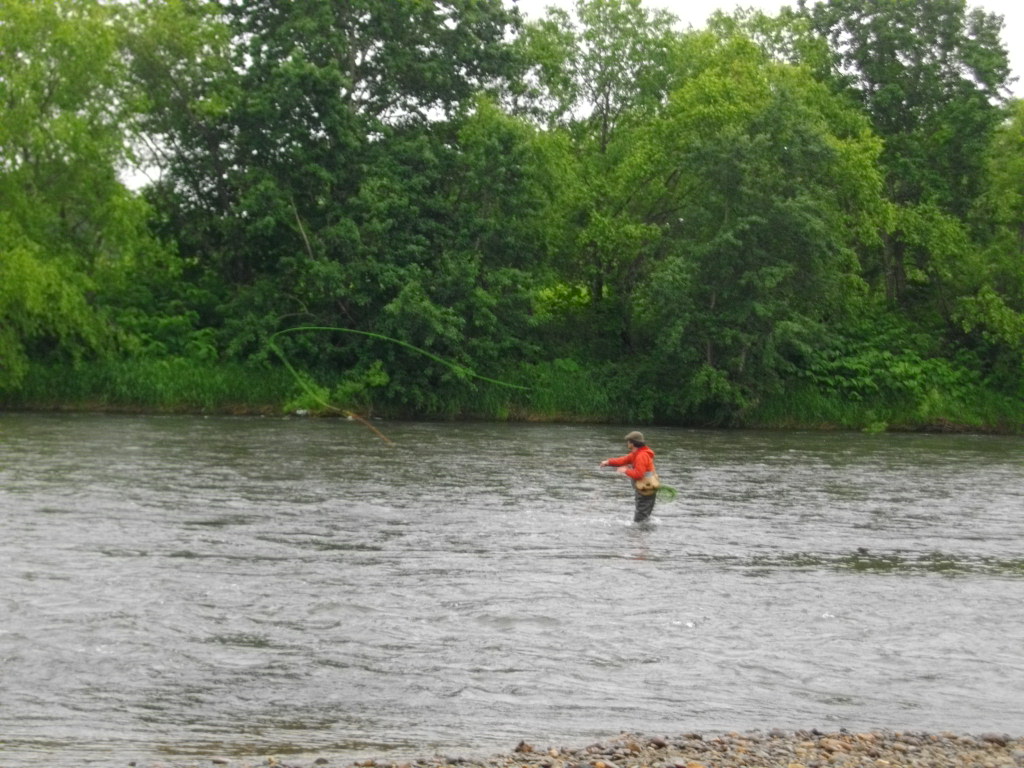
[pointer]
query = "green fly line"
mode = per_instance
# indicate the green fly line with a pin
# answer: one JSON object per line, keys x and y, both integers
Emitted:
{"x": 667, "y": 492}
{"x": 461, "y": 370}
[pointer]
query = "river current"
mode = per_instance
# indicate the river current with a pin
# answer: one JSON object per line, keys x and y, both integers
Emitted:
{"x": 176, "y": 588}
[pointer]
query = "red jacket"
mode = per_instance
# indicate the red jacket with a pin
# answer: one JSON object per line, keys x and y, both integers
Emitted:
{"x": 641, "y": 460}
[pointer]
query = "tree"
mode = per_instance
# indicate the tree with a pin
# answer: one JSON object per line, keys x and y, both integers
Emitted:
{"x": 772, "y": 185}
{"x": 330, "y": 176}
{"x": 43, "y": 306}
{"x": 599, "y": 73}
{"x": 931, "y": 76}
{"x": 68, "y": 224}
{"x": 992, "y": 312}
{"x": 1002, "y": 203}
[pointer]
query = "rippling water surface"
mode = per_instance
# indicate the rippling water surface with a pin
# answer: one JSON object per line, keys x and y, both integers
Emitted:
{"x": 176, "y": 587}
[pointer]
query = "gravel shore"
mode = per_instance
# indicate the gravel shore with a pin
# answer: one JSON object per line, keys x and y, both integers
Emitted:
{"x": 773, "y": 749}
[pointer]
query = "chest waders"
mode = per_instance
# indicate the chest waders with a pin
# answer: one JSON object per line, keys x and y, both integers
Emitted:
{"x": 644, "y": 505}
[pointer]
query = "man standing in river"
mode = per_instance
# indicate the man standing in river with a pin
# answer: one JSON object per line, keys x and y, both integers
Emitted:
{"x": 638, "y": 463}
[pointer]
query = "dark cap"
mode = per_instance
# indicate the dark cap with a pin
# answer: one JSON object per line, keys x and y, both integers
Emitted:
{"x": 636, "y": 437}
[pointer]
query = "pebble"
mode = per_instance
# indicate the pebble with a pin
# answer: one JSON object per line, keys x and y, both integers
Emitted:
{"x": 755, "y": 749}
{"x": 775, "y": 749}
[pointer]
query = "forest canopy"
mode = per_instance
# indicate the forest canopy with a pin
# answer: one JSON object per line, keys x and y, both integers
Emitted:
{"x": 808, "y": 219}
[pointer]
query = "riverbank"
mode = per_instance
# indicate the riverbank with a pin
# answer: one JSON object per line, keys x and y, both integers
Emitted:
{"x": 940, "y": 426}
{"x": 772, "y": 749}
{"x": 181, "y": 386}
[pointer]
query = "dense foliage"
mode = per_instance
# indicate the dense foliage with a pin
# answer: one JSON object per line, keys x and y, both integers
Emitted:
{"x": 809, "y": 219}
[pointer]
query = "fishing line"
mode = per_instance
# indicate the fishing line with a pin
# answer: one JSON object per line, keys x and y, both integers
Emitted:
{"x": 316, "y": 395}
{"x": 666, "y": 491}
{"x": 461, "y": 370}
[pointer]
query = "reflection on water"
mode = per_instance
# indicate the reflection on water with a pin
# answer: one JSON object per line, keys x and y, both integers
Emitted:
{"x": 196, "y": 586}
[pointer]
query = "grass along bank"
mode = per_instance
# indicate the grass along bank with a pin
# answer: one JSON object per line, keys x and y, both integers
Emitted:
{"x": 558, "y": 391}
{"x": 170, "y": 385}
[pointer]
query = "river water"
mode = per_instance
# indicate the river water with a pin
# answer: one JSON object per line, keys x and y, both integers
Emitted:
{"x": 176, "y": 588}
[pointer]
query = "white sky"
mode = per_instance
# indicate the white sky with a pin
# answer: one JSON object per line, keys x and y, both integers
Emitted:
{"x": 696, "y": 13}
